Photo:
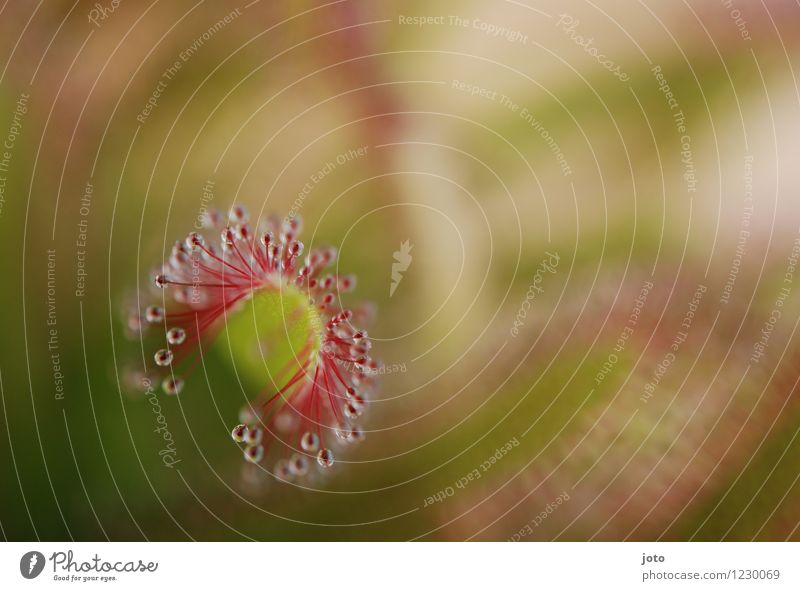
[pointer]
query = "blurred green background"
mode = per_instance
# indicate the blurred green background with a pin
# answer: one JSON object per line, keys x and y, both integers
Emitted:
{"x": 487, "y": 134}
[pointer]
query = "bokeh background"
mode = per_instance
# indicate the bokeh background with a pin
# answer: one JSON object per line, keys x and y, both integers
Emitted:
{"x": 602, "y": 203}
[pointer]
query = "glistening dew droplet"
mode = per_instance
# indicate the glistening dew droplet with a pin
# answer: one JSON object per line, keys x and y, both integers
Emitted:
{"x": 357, "y": 436}
{"x": 309, "y": 441}
{"x": 176, "y": 336}
{"x": 282, "y": 471}
{"x": 351, "y": 411}
{"x": 154, "y": 314}
{"x": 254, "y": 453}
{"x": 238, "y": 433}
{"x": 254, "y": 436}
{"x": 172, "y": 385}
{"x": 325, "y": 458}
{"x": 163, "y": 357}
{"x": 298, "y": 465}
